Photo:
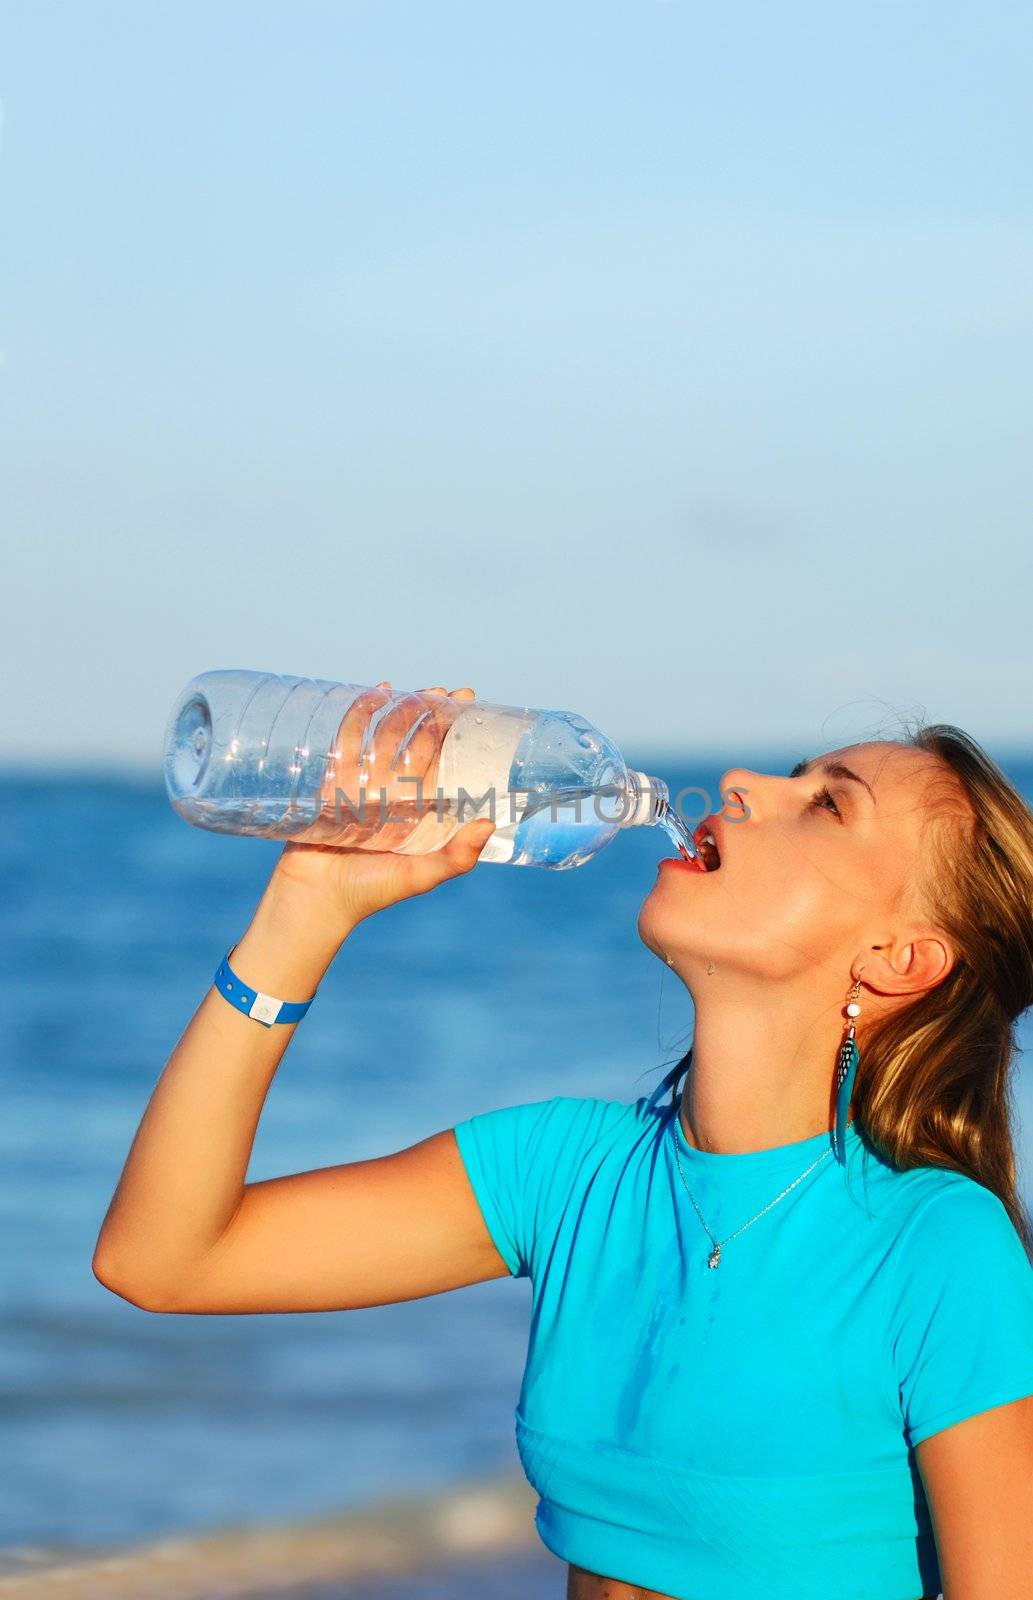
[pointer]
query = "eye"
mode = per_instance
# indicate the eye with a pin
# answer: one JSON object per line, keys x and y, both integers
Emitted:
{"x": 824, "y": 798}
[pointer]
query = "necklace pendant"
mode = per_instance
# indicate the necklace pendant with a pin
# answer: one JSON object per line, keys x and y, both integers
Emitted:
{"x": 714, "y": 1258}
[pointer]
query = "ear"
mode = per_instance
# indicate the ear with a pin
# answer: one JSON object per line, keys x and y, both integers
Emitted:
{"x": 907, "y": 968}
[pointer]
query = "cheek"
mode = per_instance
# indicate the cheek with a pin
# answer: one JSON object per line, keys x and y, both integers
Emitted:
{"x": 804, "y": 918}
{"x": 773, "y": 922}
{"x": 800, "y": 919}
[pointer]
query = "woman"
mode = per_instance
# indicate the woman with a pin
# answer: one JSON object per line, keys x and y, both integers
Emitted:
{"x": 774, "y": 1352}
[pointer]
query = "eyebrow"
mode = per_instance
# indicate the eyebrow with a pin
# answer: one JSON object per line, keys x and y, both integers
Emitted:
{"x": 832, "y": 769}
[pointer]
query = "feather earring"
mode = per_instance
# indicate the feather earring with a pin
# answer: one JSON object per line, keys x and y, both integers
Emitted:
{"x": 846, "y": 1071}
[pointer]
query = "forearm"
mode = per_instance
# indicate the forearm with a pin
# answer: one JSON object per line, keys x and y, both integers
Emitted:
{"x": 184, "y": 1177}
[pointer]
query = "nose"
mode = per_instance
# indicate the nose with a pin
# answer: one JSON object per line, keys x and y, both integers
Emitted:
{"x": 741, "y": 792}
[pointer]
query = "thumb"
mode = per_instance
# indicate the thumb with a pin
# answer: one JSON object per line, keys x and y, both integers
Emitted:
{"x": 465, "y": 846}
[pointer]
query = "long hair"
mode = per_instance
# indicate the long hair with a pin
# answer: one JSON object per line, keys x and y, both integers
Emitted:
{"x": 934, "y": 1087}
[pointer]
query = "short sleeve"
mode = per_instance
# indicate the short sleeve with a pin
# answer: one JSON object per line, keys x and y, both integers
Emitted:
{"x": 522, "y": 1162}
{"x": 962, "y": 1329}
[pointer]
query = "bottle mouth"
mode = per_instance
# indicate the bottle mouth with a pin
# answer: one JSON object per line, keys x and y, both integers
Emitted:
{"x": 651, "y": 797}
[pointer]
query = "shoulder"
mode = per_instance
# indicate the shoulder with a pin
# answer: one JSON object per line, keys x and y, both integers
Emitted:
{"x": 950, "y": 1209}
{"x": 959, "y": 1256}
{"x": 527, "y": 1163}
{"x": 548, "y": 1139}
{"x": 915, "y": 1209}
{"x": 552, "y": 1142}
{"x": 554, "y": 1119}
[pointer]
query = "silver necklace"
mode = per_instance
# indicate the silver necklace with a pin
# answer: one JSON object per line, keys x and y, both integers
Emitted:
{"x": 714, "y": 1258}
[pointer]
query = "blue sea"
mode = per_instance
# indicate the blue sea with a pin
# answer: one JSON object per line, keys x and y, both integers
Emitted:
{"x": 508, "y": 985}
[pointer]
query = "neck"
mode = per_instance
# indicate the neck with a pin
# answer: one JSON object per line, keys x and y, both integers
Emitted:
{"x": 762, "y": 1068}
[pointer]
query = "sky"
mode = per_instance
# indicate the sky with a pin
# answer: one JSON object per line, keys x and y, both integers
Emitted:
{"x": 665, "y": 363}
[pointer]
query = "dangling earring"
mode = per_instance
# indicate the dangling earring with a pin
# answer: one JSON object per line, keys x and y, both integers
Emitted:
{"x": 846, "y": 1070}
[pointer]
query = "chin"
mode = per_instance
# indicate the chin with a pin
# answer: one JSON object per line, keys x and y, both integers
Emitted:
{"x": 645, "y": 928}
{"x": 671, "y": 928}
{"x": 660, "y": 928}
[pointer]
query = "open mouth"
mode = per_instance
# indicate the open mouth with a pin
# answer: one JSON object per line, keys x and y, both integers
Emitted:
{"x": 706, "y": 845}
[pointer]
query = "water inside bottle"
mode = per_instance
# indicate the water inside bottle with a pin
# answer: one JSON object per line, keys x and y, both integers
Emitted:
{"x": 667, "y": 817}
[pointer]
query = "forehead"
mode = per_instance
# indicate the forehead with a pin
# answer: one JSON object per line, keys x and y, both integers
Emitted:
{"x": 905, "y": 781}
{"x": 886, "y": 766}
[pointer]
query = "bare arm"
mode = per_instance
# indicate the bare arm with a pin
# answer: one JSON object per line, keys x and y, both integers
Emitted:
{"x": 978, "y": 1478}
{"x": 184, "y": 1232}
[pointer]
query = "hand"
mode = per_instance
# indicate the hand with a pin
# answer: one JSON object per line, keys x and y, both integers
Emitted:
{"x": 344, "y": 884}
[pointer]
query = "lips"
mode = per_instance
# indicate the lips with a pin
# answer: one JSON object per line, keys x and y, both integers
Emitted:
{"x": 709, "y": 839}
{"x": 684, "y": 864}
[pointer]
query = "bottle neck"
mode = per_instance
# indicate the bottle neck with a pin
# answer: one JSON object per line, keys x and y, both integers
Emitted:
{"x": 647, "y": 799}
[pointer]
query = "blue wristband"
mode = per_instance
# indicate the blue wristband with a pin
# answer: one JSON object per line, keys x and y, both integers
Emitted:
{"x": 264, "y": 1008}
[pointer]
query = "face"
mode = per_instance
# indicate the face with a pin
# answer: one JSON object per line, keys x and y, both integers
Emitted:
{"x": 821, "y": 867}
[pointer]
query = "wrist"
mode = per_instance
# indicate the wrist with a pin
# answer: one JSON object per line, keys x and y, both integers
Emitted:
{"x": 306, "y": 909}
{"x": 304, "y": 894}
{"x": 288, "y": 945}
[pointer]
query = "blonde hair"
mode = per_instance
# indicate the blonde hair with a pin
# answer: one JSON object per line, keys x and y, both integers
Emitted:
{"x": 935, "y": 1082}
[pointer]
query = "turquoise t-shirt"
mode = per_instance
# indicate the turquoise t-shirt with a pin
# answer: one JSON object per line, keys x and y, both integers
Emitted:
{"x": 744, "y": 1432}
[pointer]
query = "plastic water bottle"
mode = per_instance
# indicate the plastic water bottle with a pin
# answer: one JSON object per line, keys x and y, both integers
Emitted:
{"x": 384, "y": 769}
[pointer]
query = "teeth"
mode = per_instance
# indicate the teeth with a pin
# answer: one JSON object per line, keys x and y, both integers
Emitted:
{"x": 708, "y": 851}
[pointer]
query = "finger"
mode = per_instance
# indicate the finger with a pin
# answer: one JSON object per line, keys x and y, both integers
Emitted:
{"x": 438, "y": 689}
{"x": 343, "y": 759}
{"x": 462, "y": 694}
{"x": 460, "y": 855}
{"x": 401, "y": 764}
{"x": 463, "y": 849}
{"x": 471, "y": 836}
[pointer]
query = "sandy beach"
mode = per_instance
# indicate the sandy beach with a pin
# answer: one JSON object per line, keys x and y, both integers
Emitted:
{"x": 474, "y": 1542}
